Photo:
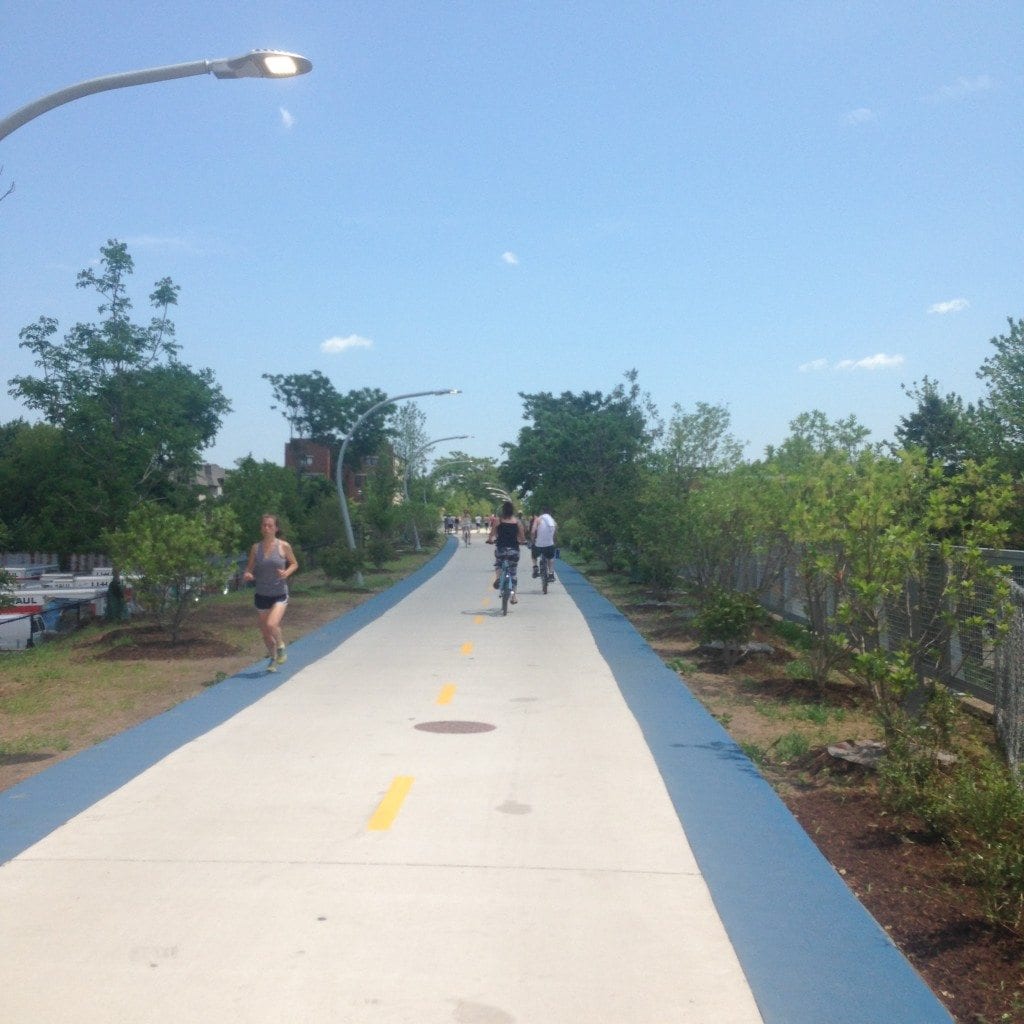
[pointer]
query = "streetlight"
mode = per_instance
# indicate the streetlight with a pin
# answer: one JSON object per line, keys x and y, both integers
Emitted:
{"x": 343, "y": 501}
{"x": 408, "y": 469}
{"x": 257, "y": 64}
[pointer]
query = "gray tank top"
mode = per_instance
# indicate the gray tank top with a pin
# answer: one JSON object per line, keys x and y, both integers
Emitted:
{"x": 268, "y": 583}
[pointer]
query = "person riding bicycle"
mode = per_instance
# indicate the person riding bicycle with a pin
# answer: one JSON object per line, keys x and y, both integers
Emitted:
{"x": 467, "y": 526}
{"x": 542, "y": 536}
{"x": 506, "y": 535}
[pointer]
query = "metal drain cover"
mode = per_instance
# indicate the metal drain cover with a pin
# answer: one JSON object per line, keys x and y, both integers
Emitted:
{"x": 455, "y": 726}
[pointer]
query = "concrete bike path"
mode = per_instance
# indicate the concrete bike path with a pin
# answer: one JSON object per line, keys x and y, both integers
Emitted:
{"x": 446, "y": 815}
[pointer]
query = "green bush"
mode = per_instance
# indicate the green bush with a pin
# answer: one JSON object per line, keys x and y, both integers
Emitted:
{"x": 339, "y": 562}
{"x": 729, "y": 618}
{"x": 975, "y": 806}
{"x": 379, "y": 551}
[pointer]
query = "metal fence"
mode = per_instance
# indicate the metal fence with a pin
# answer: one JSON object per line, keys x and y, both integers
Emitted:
{"x": 1008, "y": 678}
{"x": 968, "y": 657}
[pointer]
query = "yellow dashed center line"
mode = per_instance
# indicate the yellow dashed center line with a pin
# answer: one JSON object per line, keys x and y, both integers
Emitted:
{"x": 446, "y": 694}
{"x": 467, "y": 648}
{"x": 388, "y": 808}
{"x": 477, "y": 619}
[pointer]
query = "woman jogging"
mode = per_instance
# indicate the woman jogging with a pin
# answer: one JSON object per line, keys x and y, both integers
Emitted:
{"x": 506, "y": 535}
{"x": 271, "y": 562}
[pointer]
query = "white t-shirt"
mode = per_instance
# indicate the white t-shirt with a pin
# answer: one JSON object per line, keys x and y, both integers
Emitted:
{"x": 544, "y": 531}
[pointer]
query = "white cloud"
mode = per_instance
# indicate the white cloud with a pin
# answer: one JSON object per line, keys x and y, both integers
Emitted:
{"x": 286, "y": 118}
{"x": 510, "y": 258}
{"x": 876, "y": 362}
{"x": 966, "y": 87}
{"x": 340, "y": 344}
{"x": 860, "y": 116}
{"x": 952, "y": 306}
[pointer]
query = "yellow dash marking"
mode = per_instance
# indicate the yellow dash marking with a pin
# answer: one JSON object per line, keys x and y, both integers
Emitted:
{"x": 466, "y": 648}
{"x": 477, "y": 619}
{"x": 388, "y": 808}
{"x": 446, "y": 694}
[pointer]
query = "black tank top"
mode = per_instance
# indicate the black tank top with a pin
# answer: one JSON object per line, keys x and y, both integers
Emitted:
{"x": 507, "y": 535}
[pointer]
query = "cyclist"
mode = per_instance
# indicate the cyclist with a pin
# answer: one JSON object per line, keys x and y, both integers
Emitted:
{"x": 506, "y": 535}
{"x": 542, "y": 536}
{"x": 467, "y": 526}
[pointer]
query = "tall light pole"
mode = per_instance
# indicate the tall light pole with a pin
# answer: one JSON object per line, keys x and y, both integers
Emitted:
{"x": 257, "y": 64}
{"x": 408, "y": 469}
{"x": 342, "y": 499}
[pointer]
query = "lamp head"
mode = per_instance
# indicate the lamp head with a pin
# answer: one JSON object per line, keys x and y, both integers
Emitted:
{"x": 262, "y": 64}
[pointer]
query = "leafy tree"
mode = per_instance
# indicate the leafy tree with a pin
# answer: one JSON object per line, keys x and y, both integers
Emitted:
{"x": 463, "y": 482}
{"x": 133, "y": 419}
{"x": 730, "y": 534}
{"x": 699, "y": 442}
{"x": 584, "y": 455}
{"x": 696, "y": 447}
{"x": 1003, "y": 374}
{"x": 253, "y": 489}
{"x": 410, "y": 435}
{"x": 940, "y": 426}
{"x": 317, "y": 411}
{"x": 812, "y": 433}
{"x": 895, "y": 547}
{"x": 38, "y": 484}
{"x": 173, "y": 556}
{"x": 311, "y": 404}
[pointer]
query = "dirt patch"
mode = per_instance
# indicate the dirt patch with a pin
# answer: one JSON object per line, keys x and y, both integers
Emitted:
{"x": 153, "y": 644}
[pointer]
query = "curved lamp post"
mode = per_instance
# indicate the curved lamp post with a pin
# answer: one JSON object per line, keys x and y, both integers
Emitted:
{"x": 408, "y": 469}
{"x": 339, "y": 478}
{"x": 257, "y": 64}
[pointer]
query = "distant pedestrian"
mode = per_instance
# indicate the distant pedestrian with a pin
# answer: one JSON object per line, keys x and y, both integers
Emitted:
{"x": 271, "y": 562}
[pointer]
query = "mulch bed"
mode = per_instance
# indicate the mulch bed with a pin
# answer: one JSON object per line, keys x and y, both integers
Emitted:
{"x": 908, "y": 883}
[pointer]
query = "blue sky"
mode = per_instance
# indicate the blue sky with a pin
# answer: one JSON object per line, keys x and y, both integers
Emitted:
{"x": 772, "y": 206}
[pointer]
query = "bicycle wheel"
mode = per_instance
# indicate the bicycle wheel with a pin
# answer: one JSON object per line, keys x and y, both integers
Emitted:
{"x": 544, "y": 573}
{"x": 506, "y": 590}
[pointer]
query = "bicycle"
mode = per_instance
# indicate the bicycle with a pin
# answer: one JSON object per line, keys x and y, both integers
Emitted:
{"x": 465, "y": 535}
{"x": 545, "y": 573}
{"x": 505, "y": 584}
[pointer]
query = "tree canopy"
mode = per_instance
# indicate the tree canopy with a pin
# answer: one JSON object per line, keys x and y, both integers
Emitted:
{"x": 132, "y": 418}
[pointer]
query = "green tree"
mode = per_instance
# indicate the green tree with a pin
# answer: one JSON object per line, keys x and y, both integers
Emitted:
{"x": 464, "y": 482}
{"x": 892, "y": 562}
{"x": 133, "y": 418}
{"x": 253, "y": 489}
{"x": 940, "y": 426}
{"x": 317, "y": 411}
{"x": 813, "y": 433}
{"x": 696, "y": 448}
{"x": 173, "y": 557}
{"x": 38, "y": 484}
{"x": 1003, "y": 374}
{"x": 697, "y": 443}
{"x": 312, "y": 405}
{"x": 585, "y": 456}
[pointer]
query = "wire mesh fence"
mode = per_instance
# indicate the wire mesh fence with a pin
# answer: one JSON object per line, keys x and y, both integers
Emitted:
{"x": 1008, "y": 680}
{"x": 962, "y": 645}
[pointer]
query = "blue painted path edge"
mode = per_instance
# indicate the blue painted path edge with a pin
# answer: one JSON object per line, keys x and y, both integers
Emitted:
{"x": 34, "y": 808}
{"x": 811, "y": 952}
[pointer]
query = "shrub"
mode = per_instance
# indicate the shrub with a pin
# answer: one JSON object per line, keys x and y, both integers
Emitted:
{"x": 729, "y": 618}
{"x": 379, "y": 551}
{"x": 339, "y": 562}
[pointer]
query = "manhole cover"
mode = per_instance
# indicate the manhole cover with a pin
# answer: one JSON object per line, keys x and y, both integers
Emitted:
{"x": 455, "y": 726}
